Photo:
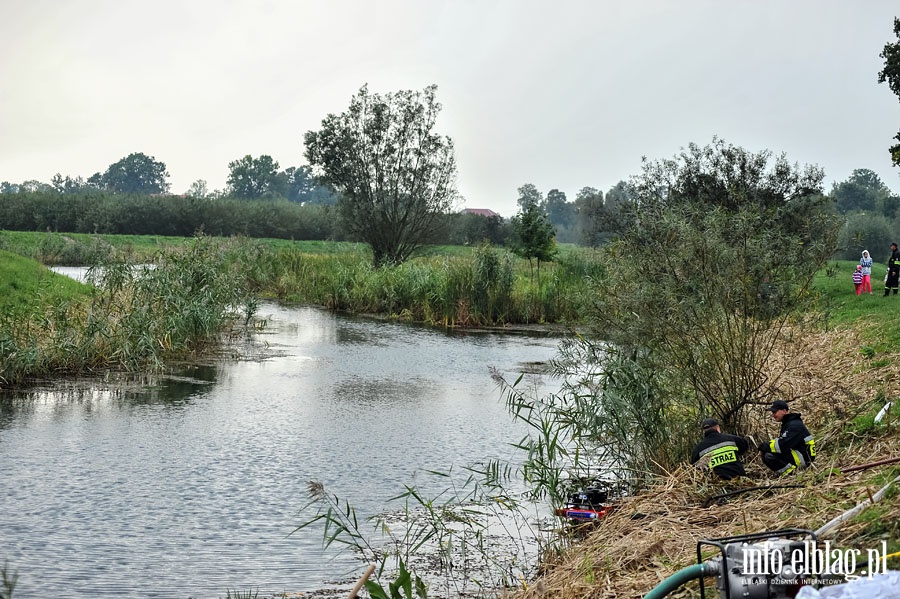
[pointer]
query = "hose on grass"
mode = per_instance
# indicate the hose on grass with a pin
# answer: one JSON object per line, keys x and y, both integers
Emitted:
{"x": 676, "y": 580}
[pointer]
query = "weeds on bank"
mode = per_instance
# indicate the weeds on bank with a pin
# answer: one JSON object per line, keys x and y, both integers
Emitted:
{"x": 459, "y": 539}
{"x": 136, "y": 317}
{"x": 446, "y": 286}
{"x": 341, "y": 525}
{"x": 613, "y": 418}
{"x": 488, "y": 286}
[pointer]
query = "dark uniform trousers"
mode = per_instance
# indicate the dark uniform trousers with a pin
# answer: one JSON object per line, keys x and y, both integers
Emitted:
{"x": 794, "y": 448}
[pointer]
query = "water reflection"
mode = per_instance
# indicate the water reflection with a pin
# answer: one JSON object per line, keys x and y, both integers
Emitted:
{"x": 87, "y": 397}
{"x": 187, "y": 485}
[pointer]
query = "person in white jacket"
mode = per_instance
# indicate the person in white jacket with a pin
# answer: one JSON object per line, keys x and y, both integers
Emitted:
{"x": 866, "y": 263}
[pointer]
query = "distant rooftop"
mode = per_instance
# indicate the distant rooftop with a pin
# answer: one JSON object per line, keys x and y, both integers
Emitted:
{"x": 485, "y": 212}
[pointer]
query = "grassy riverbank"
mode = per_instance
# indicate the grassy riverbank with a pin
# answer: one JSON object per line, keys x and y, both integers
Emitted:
{"x": 849, "y": 368}
{"x": 26, "y": 285}
{"x": 82, "y": 249}
{"x": 454, "y": 286}
{"x": 480, "y": 286}
{"x": 133, "y": 319}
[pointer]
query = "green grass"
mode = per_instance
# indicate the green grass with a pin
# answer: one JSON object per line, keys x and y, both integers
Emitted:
{"x": 26, "y": 285}
{"x": 48, "y": 247}
{"x": 445, "y": 285}
{"x": 432, "y": 287}
{"x": 134, "y": 319}
{"x": 81, "y": 249}
{"x": 456, "y": 286}
{"x": 873, "y": 316}
{"x": 864, "y": 423}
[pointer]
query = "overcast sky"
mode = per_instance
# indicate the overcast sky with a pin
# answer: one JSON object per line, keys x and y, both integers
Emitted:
{"x": 561, "y": 94}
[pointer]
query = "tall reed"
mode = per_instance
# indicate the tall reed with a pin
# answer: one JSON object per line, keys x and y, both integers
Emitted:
{"x": 136, "y": 318}
{"x": 488, "y": 286}
{"x": 465, "y": 540}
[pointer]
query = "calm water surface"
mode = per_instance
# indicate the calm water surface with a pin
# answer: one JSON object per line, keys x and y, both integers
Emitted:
{"x": 189, "y": 486}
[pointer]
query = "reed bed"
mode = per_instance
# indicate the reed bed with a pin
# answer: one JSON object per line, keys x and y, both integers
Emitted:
{"x": 487, "y": 287}
{"x": 653, "y": 534}
{"x": 135, "y": 317}
{"x": 141, "y": 318}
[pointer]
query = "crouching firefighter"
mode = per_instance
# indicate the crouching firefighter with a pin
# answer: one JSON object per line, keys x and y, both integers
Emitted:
{"x": 721, "y": 453}
{"x": 793, "y": 448}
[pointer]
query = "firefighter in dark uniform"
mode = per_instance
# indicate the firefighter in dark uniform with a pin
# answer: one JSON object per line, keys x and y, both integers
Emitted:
{"x": 722, "y": 452}
{"x": 793, "y": 448}
{"x": 893, "y": 273}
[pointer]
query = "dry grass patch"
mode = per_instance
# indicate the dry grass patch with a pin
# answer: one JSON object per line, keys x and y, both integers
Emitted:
{"x": 654, "y": 534}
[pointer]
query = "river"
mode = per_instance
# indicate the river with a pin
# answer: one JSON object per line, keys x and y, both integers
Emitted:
{"x": 189, "y": 485}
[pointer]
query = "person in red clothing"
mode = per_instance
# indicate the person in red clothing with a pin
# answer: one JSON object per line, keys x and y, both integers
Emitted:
{"x": 858, "y": 279}
{"x": 866, "y": 263}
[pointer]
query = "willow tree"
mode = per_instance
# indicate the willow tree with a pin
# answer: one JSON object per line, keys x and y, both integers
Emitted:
{"x": 395, "y": 175}
{"x": 717, "y": 256}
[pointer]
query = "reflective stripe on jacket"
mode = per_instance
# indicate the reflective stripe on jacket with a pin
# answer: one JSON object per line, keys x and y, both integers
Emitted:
{"x": 723, "y": 454}
{"x": 795, "y": 440}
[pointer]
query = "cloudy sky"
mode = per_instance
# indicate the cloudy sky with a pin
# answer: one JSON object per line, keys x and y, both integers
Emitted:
{"x": 563, "y": 94}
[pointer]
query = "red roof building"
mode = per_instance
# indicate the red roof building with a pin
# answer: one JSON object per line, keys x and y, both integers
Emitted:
{"x": 485, "y": 212}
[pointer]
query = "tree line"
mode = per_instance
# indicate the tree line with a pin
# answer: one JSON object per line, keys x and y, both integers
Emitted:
{"x": 870, "y": 209}
{"x": 249, "y": 178}
{"x": 390, "y": 177}
{"x": 99, "y": 212}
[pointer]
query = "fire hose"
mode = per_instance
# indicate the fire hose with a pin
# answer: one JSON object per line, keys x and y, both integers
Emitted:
{"x": 679, "y": 578}
{"x": 735, "y": 547}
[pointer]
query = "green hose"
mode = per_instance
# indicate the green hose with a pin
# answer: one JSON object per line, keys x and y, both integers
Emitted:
{"x": 676, "y": 580}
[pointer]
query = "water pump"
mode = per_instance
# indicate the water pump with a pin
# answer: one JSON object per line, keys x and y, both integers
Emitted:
{"x": 589, "y": 504}
{"x": 766, "y": 565}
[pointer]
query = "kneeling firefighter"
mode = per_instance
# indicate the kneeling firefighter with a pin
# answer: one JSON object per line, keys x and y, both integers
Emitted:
{"x": 722, "y": 452}
{"x": 794, "y": 447}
